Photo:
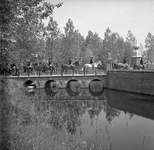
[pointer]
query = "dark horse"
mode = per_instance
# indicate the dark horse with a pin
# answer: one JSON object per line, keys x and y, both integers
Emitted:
{"x": 5, "y": 70}
{"x": 11, "y": 69}
{"x": 76, "y": 63}
{"x": 66, "y": 67}
{"x": 14, "y": 70}
{"x": 28, "y": 67}
{"x": 139, "y": 67}
{"x": 120, "y": 66}
{"x": 50, "y": 68}
{"x": 77, "y": 66}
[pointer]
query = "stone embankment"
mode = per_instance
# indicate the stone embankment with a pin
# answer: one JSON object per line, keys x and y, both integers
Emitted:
{"x": 137, "y": 81}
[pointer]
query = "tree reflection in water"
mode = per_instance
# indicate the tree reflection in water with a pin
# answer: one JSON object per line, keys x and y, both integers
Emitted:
{"x": 53, "y": 120}
{"x": 33, "y": 111}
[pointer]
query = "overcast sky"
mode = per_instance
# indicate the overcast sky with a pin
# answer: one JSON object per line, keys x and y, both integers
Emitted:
{"x": 119, "y": 15}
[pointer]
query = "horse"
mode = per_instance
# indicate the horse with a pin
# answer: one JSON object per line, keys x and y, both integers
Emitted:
{"x": 28, "y": 67}
{"x": 139, "y": 67}
{"x": 53, "y": 67}
{"x": 120, "y": 66}
{"x": 91, "y": 66}
{"x": 66, "y": 67}
{"x": 56, "y": 66}
{"x": 5, "y": 70}
{"x": 14, "y": 70}
{"x": 48, "y": 68}
{"x": 77, "y": 65}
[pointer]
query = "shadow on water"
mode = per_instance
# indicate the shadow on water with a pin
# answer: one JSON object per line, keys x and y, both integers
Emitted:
{"x": 142, "y": 105}
{"x": 74, "y": 118}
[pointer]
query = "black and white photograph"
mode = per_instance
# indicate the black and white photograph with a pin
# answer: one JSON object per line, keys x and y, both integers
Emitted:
{"x": 76, "y": 75}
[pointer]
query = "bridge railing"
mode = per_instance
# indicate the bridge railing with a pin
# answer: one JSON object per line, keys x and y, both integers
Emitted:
{"x": 39, "y": 72}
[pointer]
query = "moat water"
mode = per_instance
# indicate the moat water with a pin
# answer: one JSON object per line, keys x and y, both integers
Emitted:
{"x": 63, "y": 119}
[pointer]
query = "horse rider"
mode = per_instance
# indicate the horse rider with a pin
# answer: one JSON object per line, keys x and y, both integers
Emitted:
{"x": 91, "y": 62}
{"x": 28, "y": 63}
{"x": 70, "y": 61}
{"x": 124, "y": 61}
{"x": 49, "y": 62}
{"x": 141, "y": 62}
{"x": 14, "y": 68}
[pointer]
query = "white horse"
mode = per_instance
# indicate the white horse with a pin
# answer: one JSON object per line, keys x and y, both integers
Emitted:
{"x": 91, "y": 66}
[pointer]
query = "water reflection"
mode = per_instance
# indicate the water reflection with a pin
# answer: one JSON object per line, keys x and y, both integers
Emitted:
{"x": 68, "y": 93}
{"x": 132, "y": 103}
{"x": 73, "y": 118}
{"x": 96, "y": 88}
{"x": 51, "y": 91}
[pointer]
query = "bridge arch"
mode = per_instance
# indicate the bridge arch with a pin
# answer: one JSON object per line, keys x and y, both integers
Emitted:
{"x": 96, "y": 87}
{"x": 50, "y": 83}
{"x": 29, "y": 83}
{"x": 51, "y": 88}
{"x": 73, "y": 87}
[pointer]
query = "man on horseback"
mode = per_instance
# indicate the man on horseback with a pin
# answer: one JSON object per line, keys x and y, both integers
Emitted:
{"x": 70, "y": 61}
{"x": 28, "y": 63}
{"x": 49, "y": 62}
{"x": 124, "y": 61}
{"x": 91, "y": 62}
{"x": 141, "y": 63}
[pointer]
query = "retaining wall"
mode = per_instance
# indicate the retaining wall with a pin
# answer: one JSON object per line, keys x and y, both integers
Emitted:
{"x": 136, "y": 81}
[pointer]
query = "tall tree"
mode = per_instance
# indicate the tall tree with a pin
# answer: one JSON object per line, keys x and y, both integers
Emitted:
{"x": 72, "y": 42}
{"x": 113, "y": 44}
{"x": 106, "y": 44}
{"x": 52, "y": 34}
{"x": 129, "y": 44}
{"x": 131, "y": 39}
{"x": 93, "y": 46}
{"x": 149, "y": 44}
{"x": 24, "y": 27}
{"x": 5, "y": 40}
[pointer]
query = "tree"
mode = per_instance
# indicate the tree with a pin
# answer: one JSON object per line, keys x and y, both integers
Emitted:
{"x": 25, "y": 25}
{"x": 52, "y": 33}
{"x": 129, "y": 44}
{"x": 6, "y": 17}
{"x": 113, "y": 44}
{"x": 71, "y": 42}
{"x": 131, "y": 39}
{"x": 93, "y": 46}
{"x": 149, "y": 44}
{"x": 141, "y": 49}
{"x": 106, "y": 42}
{"x": 120, "y": 49}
